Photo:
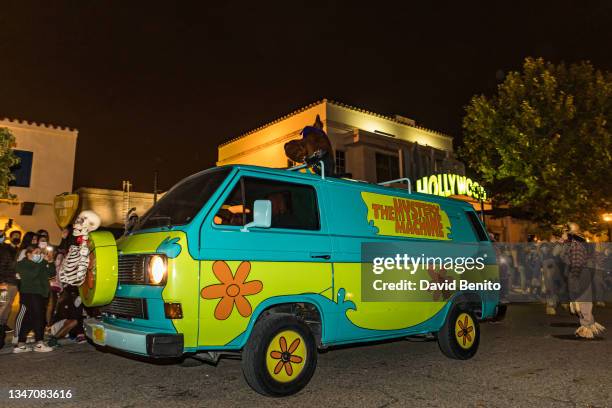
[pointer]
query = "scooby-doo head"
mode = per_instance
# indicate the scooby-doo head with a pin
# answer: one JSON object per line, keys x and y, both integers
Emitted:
{"x": 314, "y": 141}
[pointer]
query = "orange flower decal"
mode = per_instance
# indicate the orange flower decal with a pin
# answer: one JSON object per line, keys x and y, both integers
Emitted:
{"x": 438, "y": 277}
{"x": 232, "y": 290}
{"x": 285, "y": 356}
{"x": 465, "y": 331}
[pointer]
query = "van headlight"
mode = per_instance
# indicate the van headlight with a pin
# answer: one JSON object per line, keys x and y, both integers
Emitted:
{"x": 157, "y": 269}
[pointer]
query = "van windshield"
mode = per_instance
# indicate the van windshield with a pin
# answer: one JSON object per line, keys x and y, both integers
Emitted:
{"x": 183, "y": 202}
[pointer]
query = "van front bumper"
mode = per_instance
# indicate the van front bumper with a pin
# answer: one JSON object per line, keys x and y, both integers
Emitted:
{"x": 134, "y": 341}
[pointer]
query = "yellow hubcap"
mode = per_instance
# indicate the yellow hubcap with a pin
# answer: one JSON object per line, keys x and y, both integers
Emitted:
{"x": 465, "y": 331}
{"x": 286, "y": 356}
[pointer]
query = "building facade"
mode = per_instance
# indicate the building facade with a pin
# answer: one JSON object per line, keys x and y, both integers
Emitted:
{"x": 373, "y": 148}
{"x": 46, "y": 169}
{"x": 112, "y": 205}
{"x": 367, "y": 146}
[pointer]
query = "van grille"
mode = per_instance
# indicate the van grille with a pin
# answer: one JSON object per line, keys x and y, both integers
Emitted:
{"x": 131, "y": 269}
{"x": 126, "y": 307}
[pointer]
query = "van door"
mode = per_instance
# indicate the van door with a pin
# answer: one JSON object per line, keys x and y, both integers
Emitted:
{"x": 284, "y": 262}
{"x": 353, "y": 234}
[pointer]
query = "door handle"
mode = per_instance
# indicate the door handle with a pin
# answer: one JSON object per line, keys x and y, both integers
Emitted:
{"x": 319, "y": 256}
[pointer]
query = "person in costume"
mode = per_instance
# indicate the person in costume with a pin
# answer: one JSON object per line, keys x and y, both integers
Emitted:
{"x": 580, "y": 283}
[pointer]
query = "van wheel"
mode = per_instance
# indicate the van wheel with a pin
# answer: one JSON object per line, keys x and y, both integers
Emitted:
{"x": 280, "y": 356}
{"x": 460, "y": 336}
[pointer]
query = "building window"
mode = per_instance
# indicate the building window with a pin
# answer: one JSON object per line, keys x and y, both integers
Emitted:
{"x": 479, "y": 231}
{"x": 387, "y": 167}
{"x": 340, "y": 162}
{"x": 439, "y": 165}
{"x": 22, "y": 170}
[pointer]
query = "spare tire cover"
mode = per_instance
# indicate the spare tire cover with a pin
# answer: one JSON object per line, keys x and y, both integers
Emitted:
{"x": 100, "y": 283}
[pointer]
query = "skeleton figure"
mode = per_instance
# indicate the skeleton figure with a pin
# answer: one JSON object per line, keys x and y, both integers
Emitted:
{"x": 74, "y": 267}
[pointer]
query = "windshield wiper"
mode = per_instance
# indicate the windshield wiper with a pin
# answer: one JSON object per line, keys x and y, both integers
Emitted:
{"x": 161, "y": 217}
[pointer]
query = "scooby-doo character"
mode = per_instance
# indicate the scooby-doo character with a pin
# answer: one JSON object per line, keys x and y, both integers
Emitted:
{"x": 313, "y": 147}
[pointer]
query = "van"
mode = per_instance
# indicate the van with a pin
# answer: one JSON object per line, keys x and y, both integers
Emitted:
{"x": 269, "y": 263}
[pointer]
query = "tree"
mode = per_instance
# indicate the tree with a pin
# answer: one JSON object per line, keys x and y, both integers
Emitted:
{"x": 7, "y": 160}
{"x": 542, "y": 142}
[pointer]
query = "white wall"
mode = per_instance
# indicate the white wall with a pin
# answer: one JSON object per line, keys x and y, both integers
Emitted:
{"x": 371, "y": 122}
{"x": 53, "y": 158}
{"x": 108, "y": 204}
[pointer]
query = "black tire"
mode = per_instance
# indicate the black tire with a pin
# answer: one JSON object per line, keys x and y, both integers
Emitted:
{"x": 450, "y": 340}
{"x": 2, "y": 335}
{"x": 255, "y": 356}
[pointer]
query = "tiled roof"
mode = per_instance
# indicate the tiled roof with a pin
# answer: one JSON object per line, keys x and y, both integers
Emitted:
{"x": 295, "y": 112}
{"x": 38, "y": 125}
{"x": 340, "y": 104}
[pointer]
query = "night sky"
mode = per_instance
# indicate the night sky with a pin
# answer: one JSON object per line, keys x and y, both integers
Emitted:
{"x": 160, "y": 86}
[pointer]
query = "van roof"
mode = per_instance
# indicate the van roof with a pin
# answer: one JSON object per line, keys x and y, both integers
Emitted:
{"x": 363, "y": 185}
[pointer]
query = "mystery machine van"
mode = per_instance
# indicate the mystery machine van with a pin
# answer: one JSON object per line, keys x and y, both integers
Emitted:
{"x": 269, "y": 263}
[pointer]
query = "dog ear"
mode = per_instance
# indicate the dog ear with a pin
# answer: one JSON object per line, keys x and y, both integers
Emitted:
{"x": 318, "y": 123}
{"x": 295, "y": 150}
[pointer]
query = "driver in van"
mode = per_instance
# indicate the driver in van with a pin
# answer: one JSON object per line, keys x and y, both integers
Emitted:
{"x": 281, "y": 213}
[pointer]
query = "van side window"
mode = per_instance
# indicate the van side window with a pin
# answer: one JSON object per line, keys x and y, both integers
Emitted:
{"x": 479, "y": 231}
{"x": 294, "y": 206}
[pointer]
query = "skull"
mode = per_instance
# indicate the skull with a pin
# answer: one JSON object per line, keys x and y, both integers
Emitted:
{"x": 86, "y": 222}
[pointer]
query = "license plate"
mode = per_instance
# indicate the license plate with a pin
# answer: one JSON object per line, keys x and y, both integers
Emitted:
{"x": 98, "y": 334}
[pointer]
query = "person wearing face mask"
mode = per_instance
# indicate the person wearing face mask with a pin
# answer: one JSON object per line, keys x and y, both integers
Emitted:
{"x": 8, "y": 252}
{"x": 30, "y": 238}
{"x": 35, "y": 270}
{"x": 49, "y": 252}
{"x": 15, "y": 239}
{"x": 42, "y": 233}
{"x": 43, "y": 242}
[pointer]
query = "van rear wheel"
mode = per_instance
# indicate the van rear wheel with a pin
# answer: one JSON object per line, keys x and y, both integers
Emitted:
{"x": 280, "y": 356}
{"x": 460, "y": 336}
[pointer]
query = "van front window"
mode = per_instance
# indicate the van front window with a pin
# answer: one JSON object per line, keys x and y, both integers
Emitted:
{"x": 183, "y": 202}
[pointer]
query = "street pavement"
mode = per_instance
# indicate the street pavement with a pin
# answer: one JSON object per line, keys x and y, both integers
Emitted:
{"x": 524, "y": 361}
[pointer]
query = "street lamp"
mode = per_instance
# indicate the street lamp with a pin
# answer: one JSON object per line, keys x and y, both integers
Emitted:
{"x": 607, "y": 217}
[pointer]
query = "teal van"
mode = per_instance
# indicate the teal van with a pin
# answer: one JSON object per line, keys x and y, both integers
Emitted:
{"x": 269, "y": 263}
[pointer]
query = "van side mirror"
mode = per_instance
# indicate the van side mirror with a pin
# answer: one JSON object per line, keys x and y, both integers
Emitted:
{"x": 262, "y": 215}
